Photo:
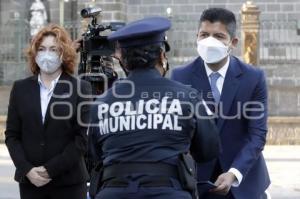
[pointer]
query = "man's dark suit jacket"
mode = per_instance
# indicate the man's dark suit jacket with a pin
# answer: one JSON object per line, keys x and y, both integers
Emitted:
{"x": 59, "y": 144}
{"x": 243, "y": 136}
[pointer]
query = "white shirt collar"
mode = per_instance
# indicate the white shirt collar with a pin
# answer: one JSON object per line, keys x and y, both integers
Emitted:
{"x": 222, "y": 70}
{"x": 53, "y": 82}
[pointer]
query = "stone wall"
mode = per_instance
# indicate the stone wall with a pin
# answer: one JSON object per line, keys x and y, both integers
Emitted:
{"x": 284, "y": 89}
{"x": 189, "y": 9}
{"x": 2, "y": 128}
{"x": 284, "y": 130}
{"x": 4, "y": 98}
{"x": 128, "y": 10}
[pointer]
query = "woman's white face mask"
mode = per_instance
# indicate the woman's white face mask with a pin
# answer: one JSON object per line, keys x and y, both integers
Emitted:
{"x": 48, "y": 58}
{"x": 212, "y": 50}
{"x": 48, "y": 61}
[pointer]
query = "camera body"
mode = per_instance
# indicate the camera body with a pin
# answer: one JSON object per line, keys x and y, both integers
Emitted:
{"x": 96, "y": 52}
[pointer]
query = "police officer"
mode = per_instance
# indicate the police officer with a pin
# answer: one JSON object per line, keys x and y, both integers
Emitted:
{"x": 143, "y": 124}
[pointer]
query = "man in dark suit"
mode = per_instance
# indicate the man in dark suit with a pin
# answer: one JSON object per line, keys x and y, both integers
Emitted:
{"x": 236, "y": 95}
{"x": 44, "y": 133}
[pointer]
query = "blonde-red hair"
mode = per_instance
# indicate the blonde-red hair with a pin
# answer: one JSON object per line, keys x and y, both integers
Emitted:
{"x": 66, "y": 49}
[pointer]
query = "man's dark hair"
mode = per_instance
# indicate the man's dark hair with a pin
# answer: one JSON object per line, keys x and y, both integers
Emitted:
{"x": 222, "y": 15}
{"x": 141, "y": 56}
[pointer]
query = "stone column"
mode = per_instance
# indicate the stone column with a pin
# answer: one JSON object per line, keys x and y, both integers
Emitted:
{"x": 250, "y": 33}
{"x": 61, "y": 12}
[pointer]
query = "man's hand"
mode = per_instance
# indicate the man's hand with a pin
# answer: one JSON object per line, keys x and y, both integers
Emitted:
{"x": 36, "y": 179}
{"x": 224, "y": 183}
{"x": 43, "y": 172}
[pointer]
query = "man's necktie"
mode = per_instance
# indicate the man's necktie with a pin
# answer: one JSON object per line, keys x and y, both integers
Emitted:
{"x": 213, "y": 84}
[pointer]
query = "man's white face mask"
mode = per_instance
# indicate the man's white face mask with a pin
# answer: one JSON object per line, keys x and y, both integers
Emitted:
{"x": 212, "y": 50}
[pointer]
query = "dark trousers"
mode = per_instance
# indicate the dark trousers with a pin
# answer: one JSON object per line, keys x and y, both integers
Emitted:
{"x": 29, "y": 191}
{"x": 228, "y": 196}
{"x": 216, "y": 196}
{"x": 136, "y": 191}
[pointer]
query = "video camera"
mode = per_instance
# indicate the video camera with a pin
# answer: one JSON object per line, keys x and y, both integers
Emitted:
{"x": 96, "y": 52}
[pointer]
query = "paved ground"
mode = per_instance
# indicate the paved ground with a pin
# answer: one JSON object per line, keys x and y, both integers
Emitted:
{"x": 283, "y": 164}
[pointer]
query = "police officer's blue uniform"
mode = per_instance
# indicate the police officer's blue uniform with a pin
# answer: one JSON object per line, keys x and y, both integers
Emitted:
{"x": 148, "y": 120}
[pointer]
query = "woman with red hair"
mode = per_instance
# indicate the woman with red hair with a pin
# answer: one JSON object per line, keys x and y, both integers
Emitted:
{"x": 46, "y": 132}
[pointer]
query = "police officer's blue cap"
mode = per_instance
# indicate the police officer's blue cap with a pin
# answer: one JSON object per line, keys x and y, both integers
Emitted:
{"x": 142, "y": 32}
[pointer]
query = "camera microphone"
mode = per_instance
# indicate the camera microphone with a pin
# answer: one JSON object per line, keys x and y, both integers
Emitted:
{"x": 90, "y": 12}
